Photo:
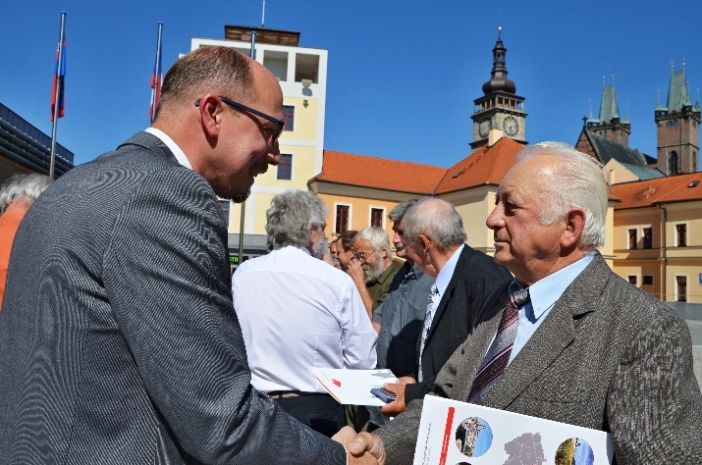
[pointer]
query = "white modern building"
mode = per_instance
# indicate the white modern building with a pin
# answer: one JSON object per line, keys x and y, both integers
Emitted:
{"x": 302, "y": 73}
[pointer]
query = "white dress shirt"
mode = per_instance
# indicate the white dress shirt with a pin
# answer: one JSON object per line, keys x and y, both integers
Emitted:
{"x": 298, "y": 312}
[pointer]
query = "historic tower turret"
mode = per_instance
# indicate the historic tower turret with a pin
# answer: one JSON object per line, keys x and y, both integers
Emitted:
{"x": 500, "y": 107}
{"x": 678, "y": 128}
{"x": 609, "y": 124}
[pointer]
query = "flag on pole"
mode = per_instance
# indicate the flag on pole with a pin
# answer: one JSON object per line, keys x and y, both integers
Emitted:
{"x": 58, "y": 94}
{"x": 156, "y": 77}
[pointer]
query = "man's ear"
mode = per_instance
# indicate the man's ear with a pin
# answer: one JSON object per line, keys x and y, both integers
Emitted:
{"x": 210, "y": 115}
{"x": 424, "y": 241}
{"x": 384, "y": 252}
{"x": 574, "y": 225}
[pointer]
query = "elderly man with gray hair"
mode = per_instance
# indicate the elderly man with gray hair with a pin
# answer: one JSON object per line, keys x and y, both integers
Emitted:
{"x": 297, "y": 312}
{"x": 567, "y": 339}
{"x": 434, "y": 239}
{"x": 17, "y": 194}
{"x": 372, "y": 267}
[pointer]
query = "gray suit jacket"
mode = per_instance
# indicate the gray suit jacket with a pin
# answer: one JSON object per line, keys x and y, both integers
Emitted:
{"x": 118, "y": 336}
{"x": 608, "y": 357}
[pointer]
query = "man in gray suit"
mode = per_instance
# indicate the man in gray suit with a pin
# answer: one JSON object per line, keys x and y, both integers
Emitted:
{"x": 588, "y": 348}
{"x": 118, "y": 336}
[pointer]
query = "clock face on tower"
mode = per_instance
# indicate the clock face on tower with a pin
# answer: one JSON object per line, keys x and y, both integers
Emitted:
{"x": 511, "y": 126}
{"x": 484, "y": 128}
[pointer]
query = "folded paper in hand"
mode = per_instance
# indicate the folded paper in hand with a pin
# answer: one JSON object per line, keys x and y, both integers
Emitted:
{"x": 353, "y": 387}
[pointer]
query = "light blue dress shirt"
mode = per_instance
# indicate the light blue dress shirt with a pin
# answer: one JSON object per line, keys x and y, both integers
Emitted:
{"x": 443, "y": 279}
{"x": 544, "y": 294}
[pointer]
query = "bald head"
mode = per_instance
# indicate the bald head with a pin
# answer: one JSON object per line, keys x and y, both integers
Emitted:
{"x": 218, "y": 70}
{"x": 438, "y": 220}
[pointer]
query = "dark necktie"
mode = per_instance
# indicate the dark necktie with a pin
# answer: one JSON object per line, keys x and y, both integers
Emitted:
{"x": 497, "y": 357}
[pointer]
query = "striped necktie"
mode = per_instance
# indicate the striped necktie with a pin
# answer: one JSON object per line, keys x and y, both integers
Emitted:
{"x": 497, "y": 357}
{"x": 428, "y": 317}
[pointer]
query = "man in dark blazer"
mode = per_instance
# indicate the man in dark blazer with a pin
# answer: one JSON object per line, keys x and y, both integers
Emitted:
{"x": 118, "y": 336}
{"x": 591, "y": 350}
{"x": 435, "y": 240}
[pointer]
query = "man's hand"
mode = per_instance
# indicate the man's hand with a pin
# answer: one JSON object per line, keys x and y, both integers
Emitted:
{"x": 406, "y": 380}
{"x": 363, "y": 448}
{"x": 358, "y": 276}
{"x": 397, "y": 406}
{"x": 356, "y": 272}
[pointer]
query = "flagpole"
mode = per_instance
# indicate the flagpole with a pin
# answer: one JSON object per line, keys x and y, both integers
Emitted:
{"x": 242, "y": 217}
{"x": 57, "y": 105}
{"x": 156, "y": 78}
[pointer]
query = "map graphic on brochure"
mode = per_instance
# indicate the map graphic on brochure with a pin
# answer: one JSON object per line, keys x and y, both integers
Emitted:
{"x": 352, "y": 387}
{"x": 459, "y": 433}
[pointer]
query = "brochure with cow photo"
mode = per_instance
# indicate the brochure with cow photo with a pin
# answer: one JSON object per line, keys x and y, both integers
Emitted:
{"x": 459, "y": 433}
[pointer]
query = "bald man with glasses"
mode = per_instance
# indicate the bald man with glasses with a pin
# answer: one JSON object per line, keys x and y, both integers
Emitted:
{"x": 120, "y": 341}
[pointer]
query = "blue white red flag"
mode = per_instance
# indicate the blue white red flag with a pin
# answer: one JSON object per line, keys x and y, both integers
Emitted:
{"x": 58, "y": 94}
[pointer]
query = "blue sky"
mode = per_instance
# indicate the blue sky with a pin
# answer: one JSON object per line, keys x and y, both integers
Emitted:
{"x": 402, "y": 75}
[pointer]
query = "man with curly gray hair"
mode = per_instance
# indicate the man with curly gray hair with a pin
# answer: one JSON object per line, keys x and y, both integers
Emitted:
{"x": 17, "y": 194}
{"x": 297, "y": 312}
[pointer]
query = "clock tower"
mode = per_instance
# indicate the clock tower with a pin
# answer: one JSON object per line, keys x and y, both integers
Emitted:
{"x": 499, "y": 107}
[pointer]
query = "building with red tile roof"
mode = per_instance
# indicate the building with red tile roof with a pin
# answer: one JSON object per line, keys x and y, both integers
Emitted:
{"x": 658, "y": 236}
{"x": 360, "y": 191}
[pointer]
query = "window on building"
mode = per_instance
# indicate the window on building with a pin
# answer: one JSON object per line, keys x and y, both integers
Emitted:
{"x": 285, "y": 166}
{"x": 647, "y": 238}
{"x": 632, "y": 279}
{"x": 632, "y": 238}
{"x": 681, "y": 235}
{"x": 277, "y": 63}
{"x": 224, "y": 204}
{"x": 342, "y": 219}
{"x": 306, "y": 67}
{"x": 377, "y": 215}
{"x": 647, "y": 280}
{"x": 289, "y": 117}
{"x": 681, "y": 288}
{"x": 673, "y": 163}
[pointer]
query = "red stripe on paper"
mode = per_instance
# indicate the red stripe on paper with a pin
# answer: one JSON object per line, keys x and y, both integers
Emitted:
{"x": 447, "y": 435}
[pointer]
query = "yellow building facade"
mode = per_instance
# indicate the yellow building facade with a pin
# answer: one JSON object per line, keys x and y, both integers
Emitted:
{"x": 658, "y": 236}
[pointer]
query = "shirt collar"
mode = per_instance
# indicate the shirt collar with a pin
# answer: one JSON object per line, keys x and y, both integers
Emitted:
{"x": 444, "y": 277}
{"x": 170, "y": 143}
{"x": 545, "y": 292}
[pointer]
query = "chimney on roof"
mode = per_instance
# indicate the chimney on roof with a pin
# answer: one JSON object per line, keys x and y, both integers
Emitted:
{"x": 494, "y": 135}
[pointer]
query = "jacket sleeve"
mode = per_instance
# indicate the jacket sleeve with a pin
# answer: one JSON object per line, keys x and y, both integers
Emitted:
{"x": 654, "y": 407}
{"x": 167, "y": 279}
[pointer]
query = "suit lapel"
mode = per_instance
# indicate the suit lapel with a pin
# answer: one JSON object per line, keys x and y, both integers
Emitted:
{"x": 554, "y": 335}
{"x": 474, "y": 350}
{"x": 450, "y": 289}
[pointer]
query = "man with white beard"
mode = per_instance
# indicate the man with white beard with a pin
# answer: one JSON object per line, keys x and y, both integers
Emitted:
{"x": 372, "y": 267}
{"x": 297, "y": 312}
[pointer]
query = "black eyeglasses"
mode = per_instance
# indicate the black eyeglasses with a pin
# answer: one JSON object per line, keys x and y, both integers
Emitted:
{"x": 232, "y": 103}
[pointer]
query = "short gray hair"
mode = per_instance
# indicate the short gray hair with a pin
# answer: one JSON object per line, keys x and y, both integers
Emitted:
{"x": 290, "y": 214}
{"x": 22, "y": 185}
{"x": 397, "y": 213}
{"x": 377, "y": 238}
{"x": 579, "y": 181}
{"x": 437, "y": 219}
